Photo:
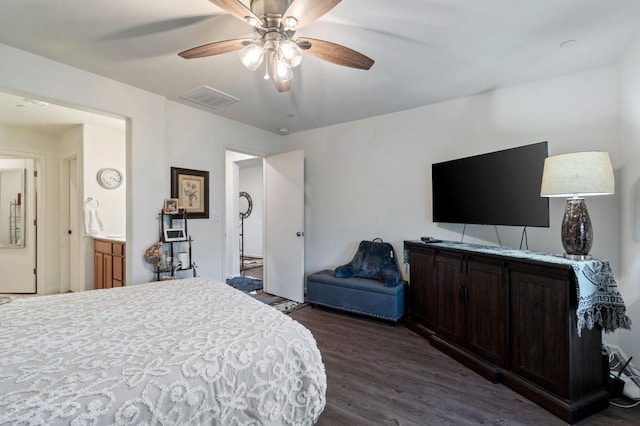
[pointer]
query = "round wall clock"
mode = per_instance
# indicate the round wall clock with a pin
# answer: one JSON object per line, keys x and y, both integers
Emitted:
{"x": 109, "y": 178}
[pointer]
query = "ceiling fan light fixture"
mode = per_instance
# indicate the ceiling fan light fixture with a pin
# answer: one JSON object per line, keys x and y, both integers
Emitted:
{"x": 289, "y": 23}
{"x": 252, "y": 55}
{"x": 290, "y": 53}
{"x": 275, "y": 23}
{"x": 281, "y": 72}
{"x": 251, "y": 20}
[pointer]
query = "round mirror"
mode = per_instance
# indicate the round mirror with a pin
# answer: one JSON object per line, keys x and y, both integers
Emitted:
{"x": 245, "y": 205}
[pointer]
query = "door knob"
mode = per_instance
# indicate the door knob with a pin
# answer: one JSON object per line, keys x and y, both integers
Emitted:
{"x": 299, "y": 234}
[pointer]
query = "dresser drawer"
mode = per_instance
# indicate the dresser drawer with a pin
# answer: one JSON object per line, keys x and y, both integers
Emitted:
{"x": 118, "y": 249}
{"x": 103, "y": 246}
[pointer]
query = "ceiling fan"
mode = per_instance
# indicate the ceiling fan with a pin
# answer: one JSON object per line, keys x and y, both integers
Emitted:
{"x": 276, "y": 22}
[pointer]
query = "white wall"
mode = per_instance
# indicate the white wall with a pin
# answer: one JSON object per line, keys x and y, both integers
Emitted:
{"x": 372, "y": 178}
{"x": 198, "y": 140}
{"x": 27, "y": 74}
{"x": 105, "y": 147}
{"x": 102, "y": 147}
{"x": 628, "y": 186}
{"x": 250, "y": 181}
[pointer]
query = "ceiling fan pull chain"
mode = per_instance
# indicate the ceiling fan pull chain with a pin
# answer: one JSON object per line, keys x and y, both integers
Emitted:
{"x": 266, "y": 68}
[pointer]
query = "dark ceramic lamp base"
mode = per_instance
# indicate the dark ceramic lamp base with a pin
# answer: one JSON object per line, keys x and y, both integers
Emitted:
{"x": 577, "y": 233}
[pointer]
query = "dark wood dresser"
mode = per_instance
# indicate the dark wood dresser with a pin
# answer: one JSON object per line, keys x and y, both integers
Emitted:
{"x": 510, "y": 319}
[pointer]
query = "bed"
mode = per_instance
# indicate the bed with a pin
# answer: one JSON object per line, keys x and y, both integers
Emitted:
{"x": 185, "y": 352}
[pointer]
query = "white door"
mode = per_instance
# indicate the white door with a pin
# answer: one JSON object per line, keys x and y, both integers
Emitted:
{"x": 284, "y": 225}
{"x": 73, "y": 231}
{"x": 18, "y": 264}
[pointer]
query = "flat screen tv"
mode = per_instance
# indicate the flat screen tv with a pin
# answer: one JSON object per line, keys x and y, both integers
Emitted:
{"x": 498, "y": 188}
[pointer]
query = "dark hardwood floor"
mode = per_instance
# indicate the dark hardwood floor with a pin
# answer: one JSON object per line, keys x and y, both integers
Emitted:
{"x": 384, "y": 374}
{"x": 255, "y": 272}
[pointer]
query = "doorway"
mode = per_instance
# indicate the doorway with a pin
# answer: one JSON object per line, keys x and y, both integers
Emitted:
{"x": 244, "y": 241}
{"x": 70, "y": 219}
{"x": 18, "y": 249}
{"x": 282, "y": 219}
{"x": 250, "y": 203}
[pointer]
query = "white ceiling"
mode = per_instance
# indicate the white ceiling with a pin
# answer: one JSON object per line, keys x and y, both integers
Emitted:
{"x": 426, "y": 51}
{"x": 33, "y": 114}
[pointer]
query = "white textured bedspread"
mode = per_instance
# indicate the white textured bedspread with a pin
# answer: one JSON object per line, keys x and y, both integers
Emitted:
{"x": 185, "y": 352}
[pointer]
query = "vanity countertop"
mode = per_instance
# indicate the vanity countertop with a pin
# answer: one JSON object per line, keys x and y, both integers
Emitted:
{"x": 117, "y": 238}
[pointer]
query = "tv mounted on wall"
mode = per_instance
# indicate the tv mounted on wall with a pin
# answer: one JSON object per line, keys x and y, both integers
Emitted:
{"x": 498, "y": 188}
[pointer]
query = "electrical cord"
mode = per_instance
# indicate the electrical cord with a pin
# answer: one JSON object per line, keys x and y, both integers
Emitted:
{"x": 631, "y": 369}
{"x": 630, "y": 372}
{"x": 625, "y": 406}
{"x": 498, "y": 235}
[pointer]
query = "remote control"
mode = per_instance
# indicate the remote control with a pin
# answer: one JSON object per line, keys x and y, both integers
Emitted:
{"x": 429, "y": 240}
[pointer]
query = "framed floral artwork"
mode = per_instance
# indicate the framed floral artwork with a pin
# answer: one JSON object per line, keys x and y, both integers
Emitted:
{"x": 191, "y": 188}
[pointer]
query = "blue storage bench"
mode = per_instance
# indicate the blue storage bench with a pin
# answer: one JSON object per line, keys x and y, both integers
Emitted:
{"x": 359, "y": 295}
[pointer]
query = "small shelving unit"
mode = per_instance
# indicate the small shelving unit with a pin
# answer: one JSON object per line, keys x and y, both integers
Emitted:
{"x": 173, "y": 221}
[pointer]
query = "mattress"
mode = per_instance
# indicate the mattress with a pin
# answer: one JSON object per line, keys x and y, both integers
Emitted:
{"x": 184, "y": 352}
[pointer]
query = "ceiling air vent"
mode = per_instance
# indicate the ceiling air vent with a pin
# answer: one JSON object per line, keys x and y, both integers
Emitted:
{"x": 210, "y": 98}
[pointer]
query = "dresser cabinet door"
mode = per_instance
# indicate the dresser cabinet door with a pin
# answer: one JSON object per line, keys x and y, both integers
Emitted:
{"x": 450, "y": 289}
{"x": 539, "y": 330}
{"x": 98, "y": 270}
{"x": 487, "y": 307}
{"x": 422, "y": 288}
{"x": 118, "y": 271}
{"x": 109, "y": 264}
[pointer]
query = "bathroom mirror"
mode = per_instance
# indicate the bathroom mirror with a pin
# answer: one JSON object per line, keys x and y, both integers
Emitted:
{"x": 245, "y": 206}
{"x": 12, "y": 208}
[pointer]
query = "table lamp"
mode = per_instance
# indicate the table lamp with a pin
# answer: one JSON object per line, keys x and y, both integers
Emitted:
{"x": 575, "y": 176}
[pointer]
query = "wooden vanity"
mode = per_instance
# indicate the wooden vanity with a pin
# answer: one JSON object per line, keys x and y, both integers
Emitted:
{"x": 109, "y": 268}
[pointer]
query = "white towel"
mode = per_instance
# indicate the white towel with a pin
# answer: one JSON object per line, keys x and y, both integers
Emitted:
{"x": 92, "y": 222}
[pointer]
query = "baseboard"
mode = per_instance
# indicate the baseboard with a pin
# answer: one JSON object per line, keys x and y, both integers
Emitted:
{"x": 570, "y": 411}
{"x": 417, "y": 328}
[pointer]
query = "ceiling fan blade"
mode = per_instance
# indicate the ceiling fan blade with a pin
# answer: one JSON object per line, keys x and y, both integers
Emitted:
{"x": 336, "y": 53}
{"x": 307, "y": 11}
{"x": 215, "y": 48}
{"x": 236, "y": 8}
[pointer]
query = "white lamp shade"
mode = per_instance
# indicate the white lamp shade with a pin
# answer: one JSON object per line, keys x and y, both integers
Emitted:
{"x": 577, "y": 174}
